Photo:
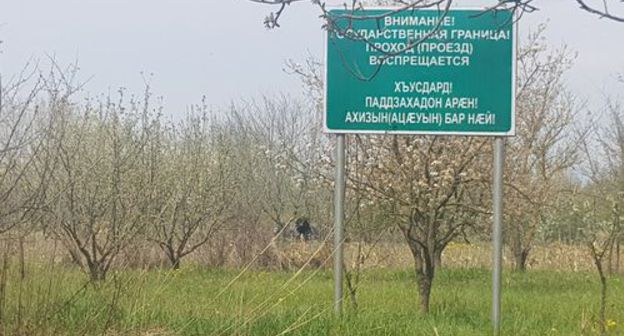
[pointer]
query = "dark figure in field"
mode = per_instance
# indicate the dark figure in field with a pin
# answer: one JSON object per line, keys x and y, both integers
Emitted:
{"x": 303, "y": 229}
{"x": 298, "y": 228}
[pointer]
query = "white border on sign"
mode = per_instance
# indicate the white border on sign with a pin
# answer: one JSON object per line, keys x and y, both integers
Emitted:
{"x": 514, "y": 74}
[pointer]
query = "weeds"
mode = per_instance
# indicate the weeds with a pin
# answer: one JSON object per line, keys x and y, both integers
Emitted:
{"x": 52, "y": 298}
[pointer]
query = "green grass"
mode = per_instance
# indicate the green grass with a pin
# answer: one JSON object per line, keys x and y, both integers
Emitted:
{"x": 196, "y": 301}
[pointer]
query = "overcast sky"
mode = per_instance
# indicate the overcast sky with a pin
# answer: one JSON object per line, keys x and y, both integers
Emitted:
{"x": 220, "y": 49}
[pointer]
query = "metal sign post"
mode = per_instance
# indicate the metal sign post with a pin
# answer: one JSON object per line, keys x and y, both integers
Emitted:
{"x": 339, "y": 199}
{"x": 497, "y": 232}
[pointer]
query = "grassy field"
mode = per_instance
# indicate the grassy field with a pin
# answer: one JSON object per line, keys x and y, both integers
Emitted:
{"x": 58, "y": 300}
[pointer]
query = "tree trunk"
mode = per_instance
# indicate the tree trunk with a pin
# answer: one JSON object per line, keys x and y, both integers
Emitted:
{"x": 353, "y": 276}
{"x": 438, "y": 258}
{"x": 520, "y": 260}
{"x": 520, "y": 253}
{"x": 610, "y": 259}
{"x": 22, "y": 268}
{"x": 97, "y": 273}
{"x": 173, "y": 257}
{"x": 424, "y": 287}
{"x": 603, "y": 297}
{"x": 603, "y": 304}
{"x": 351, "y": 289}
{"x": 175, "y": 264}
{"x": 617, "y": 257}
{"x": 424, "y": 267}
{"x": 520, "y": 248}
{"x": 4, "y": 270}
{"x": 22, "y": 259}
{"x": 598, "y": 258}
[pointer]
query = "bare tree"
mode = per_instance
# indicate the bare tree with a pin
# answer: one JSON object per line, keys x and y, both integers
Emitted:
{"x": 192, "y": 189}
{"x": 22, "y": 124}
{"x": 367, "y": 226}
{"x": 597, "y": 205}
{"x": 432, "y": 188}
{"x": 25, "y": 166}
{"x": 598, "y": 213}
{"x": 278, "y": 151}
{"x": 605, "y": 167}
{"x": 98, "y": 191}
{"x": 546, "y": 145}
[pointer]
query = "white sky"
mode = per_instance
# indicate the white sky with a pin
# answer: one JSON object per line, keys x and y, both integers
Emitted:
{"x": 220, "y": 49}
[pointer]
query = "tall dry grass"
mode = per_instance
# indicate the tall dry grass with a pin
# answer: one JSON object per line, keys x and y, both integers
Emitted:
{"x": 229, "y": 250}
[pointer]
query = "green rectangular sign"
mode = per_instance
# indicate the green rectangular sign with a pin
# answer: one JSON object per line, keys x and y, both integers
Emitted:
{"x": 420, "y": 72}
